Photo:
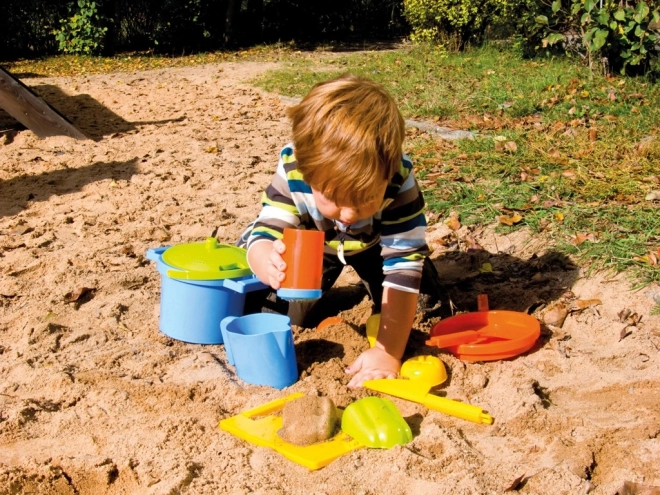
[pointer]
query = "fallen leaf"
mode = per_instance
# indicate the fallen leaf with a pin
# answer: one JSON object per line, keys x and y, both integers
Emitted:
{"x": 486, "y": 268}
{"x": 510, "y": 219}
{"x": 633, "y": 319}
{"x": 593, "y": 134}
{"x": 452, "y": 222}
{"x": 515, "y": 483}
{"x": 78, "y": 294}
{"x": 511, "y": 146}
{"x": 624, "y": 333}
{"x": 472, "y": 244}
{"x": 623, "y": 314}
{"x": 581, "y": 304}
{"x": 583, "y": 237}
{"x": 653, "y": 196}
{"x": 556, "y": 315}
{"x": 569, "y": 174}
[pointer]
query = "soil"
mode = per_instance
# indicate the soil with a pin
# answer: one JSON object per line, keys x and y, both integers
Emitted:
{"x": 94, "y": 399}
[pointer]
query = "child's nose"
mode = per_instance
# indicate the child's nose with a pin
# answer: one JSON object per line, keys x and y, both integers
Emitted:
{"x": 349, "y": 215}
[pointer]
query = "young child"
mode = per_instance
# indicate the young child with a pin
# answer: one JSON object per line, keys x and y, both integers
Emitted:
{"x": 345, "y": 174}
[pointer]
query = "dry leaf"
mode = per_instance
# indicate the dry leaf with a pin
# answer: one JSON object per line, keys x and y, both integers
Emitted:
{"x": 473, "y": 245}
{"x": 593, "y": 134}
{"x": 581, "y": 304}
{"x": 582, "y": 237}
{"x": 569, "y": 174}
{"x": 624, "y": 333}
{"x": 633, "y": 319}
{"x": 556, "y": 315}
{"x": 453, "y": 223}
{"x": 515, "y": 483}
{"x": 623, "y": 314}
{"x": 510, "y": 219}
{"x": 78, "y": 294}
{"x": 511, "y": 146}
{"x": 486, "y": 268}
{"x": 653, "y": 196}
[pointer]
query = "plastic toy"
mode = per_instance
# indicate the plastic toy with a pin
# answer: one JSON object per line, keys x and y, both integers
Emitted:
{"x": 486, "y": 335}
{"x": 424, "y": 373}
{"x": 304, "y": 264}
{"x": 201, "y": 283}
{"x": 261, "y": 424}
{"x": 261, "y": 348}
{"x": 376, "y": 423}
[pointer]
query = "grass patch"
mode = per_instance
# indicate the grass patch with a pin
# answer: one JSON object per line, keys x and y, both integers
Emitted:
{"x": 573, "y": 154}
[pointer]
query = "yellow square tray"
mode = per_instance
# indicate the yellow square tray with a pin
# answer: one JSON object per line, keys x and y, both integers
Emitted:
{"x": 260, "y": 426}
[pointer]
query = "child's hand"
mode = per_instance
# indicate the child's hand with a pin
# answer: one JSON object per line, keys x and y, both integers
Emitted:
{"x": 276, "y": 265}
{"x": 372, "y": 364}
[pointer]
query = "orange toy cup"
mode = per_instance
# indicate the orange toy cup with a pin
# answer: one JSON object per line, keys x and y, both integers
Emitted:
{"x": 304, "y": 264}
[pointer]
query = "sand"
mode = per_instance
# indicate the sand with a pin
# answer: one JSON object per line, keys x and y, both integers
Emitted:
{"x": 94, "y": 399}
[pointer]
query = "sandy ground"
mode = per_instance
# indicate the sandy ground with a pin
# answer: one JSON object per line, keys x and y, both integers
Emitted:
{"x": 95, "y": 400}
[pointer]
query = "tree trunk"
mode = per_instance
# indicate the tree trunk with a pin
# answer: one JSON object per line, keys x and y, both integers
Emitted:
{"x": 230, "y": 17}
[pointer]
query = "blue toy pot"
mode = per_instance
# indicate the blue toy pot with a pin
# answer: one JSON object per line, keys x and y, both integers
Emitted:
{"x": 192, "y": 303}
{"x": 260, "y": 346}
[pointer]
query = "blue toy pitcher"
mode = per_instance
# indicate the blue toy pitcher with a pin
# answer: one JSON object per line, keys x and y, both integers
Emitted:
{"x": 260, "y": 347}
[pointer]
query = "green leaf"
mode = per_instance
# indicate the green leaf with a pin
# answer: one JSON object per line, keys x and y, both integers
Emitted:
{"x": 541, "y": 19}
{"x": 604, "y": 18}
{"x": 554, "y": 38}
{"x": 639, "y": 32}
{"x": 589, "y": 35}
{"x": 589, "y": 5}
{"x": 641, "y": 11}
{"x": 556, "y": 6}
{"x": 586, "y": 17}
{"x": 620, "y": 14}
{"x": 600, "y": 38}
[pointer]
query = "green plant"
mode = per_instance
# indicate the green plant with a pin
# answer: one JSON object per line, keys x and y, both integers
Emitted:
{"x": 83, "y": 33}
{"x": 623, "y": 37}
{"x": 655, "y": 310}
{"x": 454, "y": 23}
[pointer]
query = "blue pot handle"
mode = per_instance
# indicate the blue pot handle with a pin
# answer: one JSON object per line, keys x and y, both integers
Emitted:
{"x": 245, "y": 285}
{"x": 156, "y": 254}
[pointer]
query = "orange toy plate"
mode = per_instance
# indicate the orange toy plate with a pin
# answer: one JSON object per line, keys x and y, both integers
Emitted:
{"x": 486, "y": 335}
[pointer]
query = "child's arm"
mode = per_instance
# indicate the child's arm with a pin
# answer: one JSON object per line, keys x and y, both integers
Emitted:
{"x": 384, "y": 359}
{"x": 265, "y": 260}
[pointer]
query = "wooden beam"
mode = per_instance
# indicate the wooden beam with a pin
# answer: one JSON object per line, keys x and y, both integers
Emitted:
{"x": 32, "y": 111}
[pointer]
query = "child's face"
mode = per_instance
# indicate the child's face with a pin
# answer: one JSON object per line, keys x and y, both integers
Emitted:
{"x": 349, "y": 214}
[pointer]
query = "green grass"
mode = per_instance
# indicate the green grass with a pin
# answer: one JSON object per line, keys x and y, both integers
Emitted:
{"x": 586, "y": 153}
{"x": 577, "y": 171}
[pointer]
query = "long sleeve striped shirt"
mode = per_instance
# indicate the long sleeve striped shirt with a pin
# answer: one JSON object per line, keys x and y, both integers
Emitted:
{"x": 399, "y": 225}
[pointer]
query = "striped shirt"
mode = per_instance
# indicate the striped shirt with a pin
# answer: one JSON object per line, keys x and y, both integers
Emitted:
{"x": 399, "y": 224}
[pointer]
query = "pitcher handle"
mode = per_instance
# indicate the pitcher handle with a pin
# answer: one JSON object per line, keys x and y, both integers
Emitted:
{"x": 225, "y": 337}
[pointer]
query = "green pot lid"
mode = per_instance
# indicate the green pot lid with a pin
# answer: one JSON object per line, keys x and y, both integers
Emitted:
{"x": 206, "y": 260}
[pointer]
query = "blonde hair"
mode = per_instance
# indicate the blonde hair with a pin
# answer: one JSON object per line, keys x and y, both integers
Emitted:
{"x": 348, "y": 135}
